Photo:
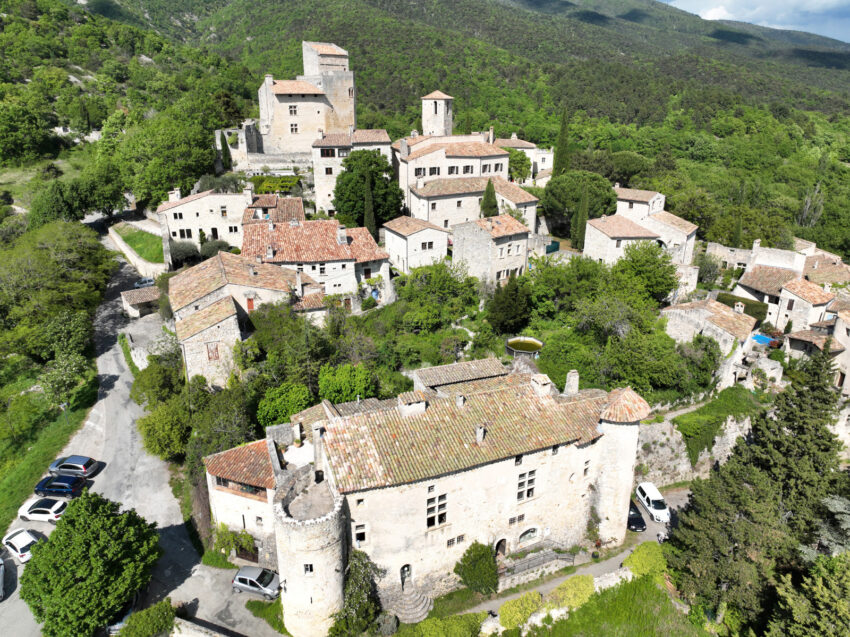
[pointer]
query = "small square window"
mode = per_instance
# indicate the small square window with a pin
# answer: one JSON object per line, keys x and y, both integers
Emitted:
{"x": 512, "y": 521}
{"x": 619, "y": 242}
{"x": 450, "y": 542}
{"x": 446, "y": 225}
{"x": 518, "y": 460}
{"x": 308, "y": 569}
{"x": 554, "y": 450}
{"x": 459, "y": 203}
{"x": 259, "y": 521}
{"x": 360, "y": 502}
{"x": 431, "y": 489}
{"x": 293, "y": 109}
{"x": 520, "y": 518}
{"x": 329, "y": 171}
{"x": 360, "y": 533}
{"x": 293, "y": 128}
{"x": 460, "y": 539}
{"x": 433, "y": 205}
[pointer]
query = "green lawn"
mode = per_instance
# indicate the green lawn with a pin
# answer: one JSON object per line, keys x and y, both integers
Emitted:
{"x": 147, "y": 245}
{"x": 24, "y": 181}
{"x": 270, "y": 611}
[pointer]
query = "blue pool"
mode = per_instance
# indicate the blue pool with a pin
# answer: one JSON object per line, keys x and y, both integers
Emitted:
{"x": 762, "y": 339}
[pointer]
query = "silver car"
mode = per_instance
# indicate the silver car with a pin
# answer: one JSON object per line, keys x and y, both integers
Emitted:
{"x": 81, "y": 466}
{"x": 260, "y": 581}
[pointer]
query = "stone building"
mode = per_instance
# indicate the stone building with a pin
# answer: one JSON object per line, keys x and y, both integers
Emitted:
{"x": 606, "y": 238}
{"x": 492, "y": 248}
{"x": 217, "y": 214}
{"x": 413, "y": 243}
{"x": 541, "y": 158}
{"x": 500, "y": 458}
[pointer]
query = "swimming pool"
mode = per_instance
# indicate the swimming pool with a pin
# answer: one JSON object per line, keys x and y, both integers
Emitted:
{"x": 762, "y": 339}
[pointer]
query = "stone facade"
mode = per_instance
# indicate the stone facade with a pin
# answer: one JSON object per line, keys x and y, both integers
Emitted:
{"x": 327, "y": 154}
{"x": 416, "y": 248}
{"x": 217, "y": 214}
{"x": 600, "y": 247}
{"x": 491, "y": 259}
{"x": 209, "y": 353}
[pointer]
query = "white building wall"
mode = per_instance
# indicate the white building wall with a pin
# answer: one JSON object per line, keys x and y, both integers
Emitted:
{"x": 216, "y": 214}
{"x": 407, "y": 253}
{"x": 437, "y": 117}
{"x": 446, "y": 212}
{"x": 196, "y": 352}
{"x": 338, "y": 277}
{"x": 239, "y": 511}
{"x": 802, "y": 315}
{"x": 326, "y": 183}
{"x": 240, "y": 294}
{"x": 489, "y": 260}
{"x": 776, "y": 258}
{"x": 600, "y": 247}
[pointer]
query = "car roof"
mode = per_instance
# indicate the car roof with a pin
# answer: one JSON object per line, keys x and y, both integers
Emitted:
{"x": 47, "y": 503}
{"x": 651, "y": 490}
{"x": 77, "y": 459}
{"x": 250, "y": 571}
{"x": 64, "y": 480}
{"x": 18, "y": 535}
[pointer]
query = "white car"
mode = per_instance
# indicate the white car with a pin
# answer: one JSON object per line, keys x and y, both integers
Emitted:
{"x": 20, "y": 544}
{"x": 42, "y": 510}
{"x": 651, "y": 499}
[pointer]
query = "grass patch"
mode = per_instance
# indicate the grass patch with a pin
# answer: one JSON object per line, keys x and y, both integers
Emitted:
{"x": 632, "y": 609}
{"x": 125, "y": 347}
{"x": 456, "y": 602}
{"x": 272, "y": 612}
{"x": 217, "y": 559}
{"x": 148, "y": 246}
{"x": 699, "y": 427}
{"x": 755, "y": 309}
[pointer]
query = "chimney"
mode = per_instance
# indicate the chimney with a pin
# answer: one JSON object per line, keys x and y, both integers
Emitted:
{"x": 350, "y": 130}
{"x": 571, "y": 386}
{"x": 480, "y": 434}
{"x": 460, "y": 400}
{"x": 616, "y": 184}
{"x": 269, "y": 252}
{"x": 271, "y": 226}
{"x": 253, "y": 271}
{"x": 248, "y": 191}
{"x": 268, "y": 80}
{"x": 258, "y": 259}
{"x": 174, "y": 195}
{"x": 490, "y": 137}
{"x": 404, "y": 149}
{"x": 827, "y": 287}
{"x": 412, "y": 406}
{"x": 513, "y": 136}
{"x": 739, "y": 308}
{"x": 341, "y": 236}
{"x": 756, "y": 244}
{"x": 541, "y": 385}
{"x": 419, "y": 183}
{"x": 414, "y": 133}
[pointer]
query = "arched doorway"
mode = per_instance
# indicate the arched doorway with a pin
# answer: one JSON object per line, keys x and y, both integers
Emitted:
{"x": 406, "y": 575}
{"x": 501, "y": 548}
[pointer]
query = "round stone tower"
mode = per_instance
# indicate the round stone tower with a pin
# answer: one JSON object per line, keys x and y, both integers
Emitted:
{"x": 311, "y": 553}
{"x": 618, "y": 424}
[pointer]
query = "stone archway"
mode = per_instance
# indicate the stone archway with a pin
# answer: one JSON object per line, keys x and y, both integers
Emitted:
{"x": 501, "y": 548}
{"x": 406, "y": 575}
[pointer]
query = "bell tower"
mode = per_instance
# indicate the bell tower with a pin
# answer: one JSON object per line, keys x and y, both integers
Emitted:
{"x": 437, "y": 114}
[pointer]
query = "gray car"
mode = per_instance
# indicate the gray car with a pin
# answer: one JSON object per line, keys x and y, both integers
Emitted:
{"x": 260, "y": 581}
{"x": 81, "y": 466}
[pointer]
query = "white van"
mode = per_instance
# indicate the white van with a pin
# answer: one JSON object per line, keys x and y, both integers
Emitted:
{"x": 652, "y": 500}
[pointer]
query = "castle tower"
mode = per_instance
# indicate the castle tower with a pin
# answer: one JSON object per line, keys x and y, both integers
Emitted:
{"x": 618, "y": 424}
{"x": 311, "y": 553}
{"x": 437, "y": 114}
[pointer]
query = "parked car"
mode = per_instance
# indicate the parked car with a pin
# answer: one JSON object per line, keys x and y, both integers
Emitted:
{"x": 143, "y": 283}
{"x": 82, "y": 466}
{"x": 42, "y": 510}
{"x": 257, "y": 580}
{"x": 121, "y": 617}
{"x": 652, "y": 500}
{"x": 635, "y": 522}
{"x": 61, "y": 486}
{"x": 20, "y": 543}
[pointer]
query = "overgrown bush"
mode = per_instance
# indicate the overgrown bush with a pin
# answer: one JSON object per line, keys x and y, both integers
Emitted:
{"x": 368, "y": 303}
{"x": 477, "y": 568}
{"x": 515, "y": 612}
{"x": 573, "y": 592}
{"x": 150, "y": 622}
{"x": 467, "y": 625}
{"x": 647, "y": 559}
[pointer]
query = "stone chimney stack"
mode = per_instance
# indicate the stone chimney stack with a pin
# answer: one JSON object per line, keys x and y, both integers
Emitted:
{"x": 739, "y": 308}
{"x": 513, "y": 136}
{"x": 571, "y": 386}
{"x": 174, "y": 195}
{"x": 756, "y": 244}
{"x": 268, "y": 80}
{"x": 460, "y": 400}
{"x": 490, "y": 136}
{"x": 248, "y": 191}
{"x": 258, "y": 259}
{"x": 480, "y": 434}
{"x": 269, "y": 252}
{"x": 271, "y": 226}
{"x": 827, "y": 287}
{"x": 341, "y": 236}
{"x": 350, "y": 130}
{"x": 299, "y": 287}
{"x": 404, "y": 149}
{"x": 541, "y": 385}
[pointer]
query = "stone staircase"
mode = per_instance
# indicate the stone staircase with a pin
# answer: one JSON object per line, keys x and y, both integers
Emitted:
{"x": 412, "y": 607}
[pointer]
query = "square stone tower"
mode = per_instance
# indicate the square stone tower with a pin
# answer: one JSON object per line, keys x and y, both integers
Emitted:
{"x": 437, "y": 114}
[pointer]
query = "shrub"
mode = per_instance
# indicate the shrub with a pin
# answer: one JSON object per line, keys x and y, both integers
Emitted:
{"x": 574, "y": 592}
{"x": 647, "y": 559}
{"x": 777, "y": 355}
{"x": 156, "y": 620}
{"x": 368, "y": 303}
{"x": 279, "y": 403}
{"x": 753, "y": 308}
{"x": 477, "y": 568}
{"x": 467, "y": 625}
{"x": 272, "y": 612}
{"x": 515, "y": 612}
{"x": 212, "y": 248}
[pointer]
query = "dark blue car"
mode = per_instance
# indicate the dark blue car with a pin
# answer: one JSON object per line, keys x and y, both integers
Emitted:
{"x": 63, "y": 486}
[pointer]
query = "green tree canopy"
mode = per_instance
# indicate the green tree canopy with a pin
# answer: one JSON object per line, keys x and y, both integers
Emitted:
{"x": 519, "y": 165}
{"x": 650, "y": 263}
{"x": 561, "y": 162}
{"x": 477, "y": 568}
{"x": 350, "y": 191}
{"x": 489, "y": 205}
{"x": 346, "y": 382}
{"x": 281, "y": 402}
{"x": 361, "y": 604}
{"x": 508, "y": 310}
{"x": 562, "y": 197}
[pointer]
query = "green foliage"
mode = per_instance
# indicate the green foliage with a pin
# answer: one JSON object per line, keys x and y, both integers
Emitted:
{"x": 563, "y": 196}
{"x": 572, "y": 593}
{"x": 467, "y": 625}
{"x": 369, "y": 208}
{"x": 709, "y": 268}
{"x": 561, "y": 162}
{"x": 226, "y": 159}
{"x": 362, "y": 168}
{"x": 272, "y": 612}
{"x": 477, "y": 568}
{"x": 361, "y": 604}
{"x": 647, "y": 559}
{"x": 753, "y": 308}
{"x": 148, "y": 246}
{"x": 519, "y": 165}
{"x": 62, "y": 375}
{"x": 508, "y": 310}
{"x": 579, "y": 223}
{"x": 515, "y": 612}
{"x": 833, "y": 533}
{"x": 368, "y": 303}
{"x": 280, "y": 402}
{"x": 489, "y": 206}
{"x": 95, "y": 559}
{"x": 269, "y": 185}
{"x": 150, "y": 622}
{"x": 455, "y": 602}
{"x": 649, "y": 263}
{"x": 165, "y": 429}
{"x": 701, "y": 426}
{"x": 160, "y": 380}
{"x": 346, "y": 382}
{"x": 226, "y": 541}
{"x": 213, "y": 247}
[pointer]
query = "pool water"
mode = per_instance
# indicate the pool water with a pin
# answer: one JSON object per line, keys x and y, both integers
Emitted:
{"x": 524, "y": 346}
{"x": 762, "y": 339}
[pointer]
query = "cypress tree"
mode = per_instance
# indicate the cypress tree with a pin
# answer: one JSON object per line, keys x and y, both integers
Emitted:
{"x": 226, "y": 159}
{"x": 489, "y": 206}
{"x": 561, "y": 163}
{"x": 369, "y": 209}
{"x": 580, "y": 222}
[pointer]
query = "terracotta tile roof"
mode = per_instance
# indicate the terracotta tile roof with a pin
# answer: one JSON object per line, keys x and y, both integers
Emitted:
{"x": 619, "y": 227}
{"x": 817, "y": 339}
{"x": 295, "y": 87}
{"x": 767, "y": 279}
{"x": 501, "y": 226}
{"x": 205, "y": 318}
{"x": 808, "y": 291}
{"x": 630, "y": 194}
{"x": 226, "y": 268}
{"x": 802, "y": 244}
{"x": 410, "y": 397}
{"x": 148, "y": 294}
{"x": 822, "y": 269}
{"x": 314, "y": 301}
{"x": 829, "y": 323}
{"x": 485, "y": 384}
{"x": 460, "y": 372}
{"x": 459, "y": 149}
{"x": 738, "y": 325}
{"x": 309, "y": 242}
{"x": 669, "y": 219}
{"x": 625, "y": 405}
{"x": 840, "y": 304}
{"x": 365, "y": 136}
{"x": 278, "y": 210}
{"x": 406, "y": 226}
{"x": 248, "y": 464}
{"x": 384, "y": 448}
{"x": 513, "y": 193}
{"x": 544, "y": 173}
{"x": 326, "y": 48}
{"x": 411, "y": 141}
{"x": 447, "y": 187}
{"x": 364, "y": 406}
{"x": 437, "y": 95}
{"x": 513, "y": 142}
{"x": 167, "y": 205}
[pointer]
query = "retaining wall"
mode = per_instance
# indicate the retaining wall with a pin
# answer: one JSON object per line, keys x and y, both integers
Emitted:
{"x": 144, "y": 268}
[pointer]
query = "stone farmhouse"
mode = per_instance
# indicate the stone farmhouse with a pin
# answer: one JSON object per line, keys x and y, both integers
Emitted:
{"x": 211, "y": 300}
{"x": 835, "y": 330}
{"x": 478, "y": 454}
{"x": 492, "y": 248}
{"x": 413, "y": 243}
{"x": 338, "y": 258}
{"x": 606, "y": 238}
{"x": 217, "y": 214}
{"x": 541, "y": 158}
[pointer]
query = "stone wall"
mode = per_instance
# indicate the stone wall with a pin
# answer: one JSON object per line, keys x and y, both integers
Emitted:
{"x": 186, "y": 628}
{"x": 144, "y": 268}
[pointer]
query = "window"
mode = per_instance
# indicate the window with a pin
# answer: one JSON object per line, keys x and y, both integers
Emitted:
{"x": 328, "y": 152}
{"x": 619, "y": 242}
{"x": 313, "y": 267}
{"x": 450, "y": 542}
{"x": 435, "y": 107}
{"x": 459, "y": 203}
{"x": 293, "y": 109}
{"x": 360, "y": 502}
{"x": 554, "y": 450}
{"x": 212, "y": 351}
{"x": 342, "y": 266}
{"x": 631, "y": 205}
{"x": 497, "y": 168}
{"x": 790, "y": 305}
{"x": 467, "y": 170}
{"x": 259, "y": 521}
{"x": 178, "y": 215}
{"x": 351, "y": 92}
{"x": 220, "y": 482}
{"x": 233, "y": 229}
{"x": 360, "y": 533}
{"x": 501, "y": 252}
{"x": 329, "y": 171}
{"x": 308, "y": 569}
{"x": 436, "y": 511}
{"x": 453, "y": 170}
{"x": 427, "y": 245}
{"x": 433, "y": 205}
{"x": 224, "y": 211}
{"x": 430, "y": 245}
{"x": 520, "y": 518}
{"x": 460, "y": 539}
{"x": 518, "y": 460}
{"x": 586, "y": 467}
{"x": 528, "y": 536}
{"x": 293, "y": 128}
{"x": 512, "y": 521}
{"x": 342, "y": 153}
{"x": 185, "y": 234}
{"x": 419, "y": 172}
{"x": 431, "y": 489}
{"x": 197, "y": 214}
{"x": 321, "y": 268}
{"x": 434, "y": 170}
{"x": 174, "y": 233}
{"x": 485, "y": 168}
{"x": 525, "y": 485}
{"x": 446, "y": 225}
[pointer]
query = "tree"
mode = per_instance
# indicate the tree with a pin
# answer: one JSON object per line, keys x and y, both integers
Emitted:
{"x": 489, "y": 206}
{"x": 833, "y": 535}
{"x": 626, "y": 164}
{"x": 561, "y": 162}
{"x": 62, "y": 375}
{"x": 220, "y": 421}
{"x": 368, "y": 208}
{"x": 165, "y": 430}
{"x": 154, "y": 620}
{"x": 361, "y": 604}
{"x": 281, "y": 402}
{"x": 226, "y": 159}
{"x": 477, "y": 568}
{"x": 820, "y": 605}
{"x": 54, "y": 203}
{"x": 92, "y": 563}
{"x": 651, "y": 264}
{"x": 579, "y": 223}
{"x": 350, "y": 191}
{"x": 519, "y": 165}
{"x": 346, "y": 382}
{"x": 213, "y": 247}
{"x": 562, "y": 197}
{"x": 157, "y": 382}
{"x": 508, "y": 310}
{"x": 709, "y": 268}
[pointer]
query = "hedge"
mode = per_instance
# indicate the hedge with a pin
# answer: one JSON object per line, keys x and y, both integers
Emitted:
{"x": 647, "y": 559}
{"x": 515, "y": 612}
{"x": 573, "y": 592}
{"x": 753, "y": 308}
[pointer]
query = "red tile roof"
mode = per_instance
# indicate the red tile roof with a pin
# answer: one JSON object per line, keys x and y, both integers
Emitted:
{"x": 723, "y": 316}
{"x": 278, "y": 210}
{"x": 406, "y": 226}
{"x": 817, "y": 339}
{"x": 309, "y": 242}
{"x": 625, "y": 405}
{"x": 147, "y": 294}
{"x": 459, "y": 149}
{"x": 619, "y": 227}
{"x": 314, "y": 301}
{"x": 411, "y": 140}
{"x": 248, "y": 464}
{"x": 450, "y": 186}
{"x": 295, "y": 87}
{"x": 167, "y": 205}
{"x": 513, "y": 142}
{"x": 437, "y": 95}
{"x": 360, "y": 136}
{"x": 808, "y": 291}
{"x": 630, "y": 194}
{"x": 822, "y": 268}
{"x": 205, "y": 318}
{"x": 501, "y": 226}
{"x": 326, "y": 48}
{"x": 460, "y": 372}
{"x": 767, "y": 279}
{"x": 669, "y": 219}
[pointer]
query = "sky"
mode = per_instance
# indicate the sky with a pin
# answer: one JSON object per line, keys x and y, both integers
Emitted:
{"x": 824, "y": 17}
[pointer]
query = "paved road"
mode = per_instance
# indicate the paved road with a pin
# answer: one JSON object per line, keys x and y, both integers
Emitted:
{"x": 140, "y": 481}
